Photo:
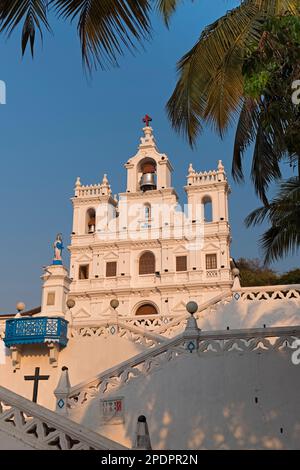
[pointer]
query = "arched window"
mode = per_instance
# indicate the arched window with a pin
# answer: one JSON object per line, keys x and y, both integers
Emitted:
{"x": 90, "y": 221}
{"x": 146, "y": 309}
{"x": 147, "y": 263}
{"x": 207, "y": 209}
{"x": 147, "y": 212}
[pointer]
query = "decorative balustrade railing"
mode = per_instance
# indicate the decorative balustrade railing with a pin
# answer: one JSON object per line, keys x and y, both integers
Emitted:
{"x": 168, "y": 325}
{"x": 43, "y": 429}
{"x": 286, "y": 292}
{"x": 209, "y": 343}
{"x": 203, "y": 177}
{"x": 36, "y": 330}
{"x": 212, "y": 273}
{"x": 88, "y": 191}
{"x": 119, "y": 328}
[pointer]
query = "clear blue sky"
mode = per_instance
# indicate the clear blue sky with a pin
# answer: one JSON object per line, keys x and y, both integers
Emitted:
{"x": 57, "y": 124}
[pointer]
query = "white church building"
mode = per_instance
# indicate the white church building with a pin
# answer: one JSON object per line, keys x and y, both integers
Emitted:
{"x": 148, "y": 340}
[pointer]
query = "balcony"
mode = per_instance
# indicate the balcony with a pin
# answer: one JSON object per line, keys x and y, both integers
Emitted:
{"x": 36, "y": 330}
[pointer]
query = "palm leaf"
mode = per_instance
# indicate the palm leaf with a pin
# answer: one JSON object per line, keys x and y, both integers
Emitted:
{"x": 265, "y": 162}
{"x": 105, "y": 27}
{"x": 210, "y": 82}
{"x": 245, "y": 135}
{"x": 33, "y": 13}
{"x": 283, "y": 214}
{"x": 167, "y": 8}
{"x": 257, "y": 216}
{"x": 281, "y": 240}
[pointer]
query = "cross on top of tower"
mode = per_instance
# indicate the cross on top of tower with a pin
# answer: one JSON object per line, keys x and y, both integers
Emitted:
{"x": 147, "y": 119}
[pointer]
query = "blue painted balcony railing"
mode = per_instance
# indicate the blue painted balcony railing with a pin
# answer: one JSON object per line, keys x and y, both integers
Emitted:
{"x": 36, "y": 330}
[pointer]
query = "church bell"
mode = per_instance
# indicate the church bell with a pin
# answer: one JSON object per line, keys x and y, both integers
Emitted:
{"x": 148, "y": 182}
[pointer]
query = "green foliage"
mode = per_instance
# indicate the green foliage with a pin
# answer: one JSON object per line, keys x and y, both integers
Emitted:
{"x": 291, "y": 277}
{"x": 256, "y": 83}
{"x": 254, "y": 273}
{"x": 268, "y": 118}
{"x": 210, "y": 82}
{"x": 275, "y": 57}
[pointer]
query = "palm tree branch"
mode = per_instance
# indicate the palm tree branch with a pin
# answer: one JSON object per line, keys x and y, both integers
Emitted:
{"x": 105, "y": 27}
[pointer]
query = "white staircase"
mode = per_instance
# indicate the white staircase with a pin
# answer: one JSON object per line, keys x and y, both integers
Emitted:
{"x": 40, "y": 428}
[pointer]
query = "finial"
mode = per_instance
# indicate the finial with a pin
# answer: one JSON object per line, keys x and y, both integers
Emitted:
{"x": 105, "y": 187}
{"x": 78, "y": 182}
{"x": 105, "y": 180}
{"x": 62, "y": 391}
{"x": 236, "y": 279}
{"x": 192, "y": 328}
{"x": 148, "y": 140}
{"x": 147, "y": 119}
{"x": 114, "y": 303}
{"x": 71, "y": 303}
{"x": 20, "y": 307}
{"x": 220, "y": 166}
{"x": 191, "y": 169}
{"x": 142, "y": 437}
{"x": 192, "y": 307}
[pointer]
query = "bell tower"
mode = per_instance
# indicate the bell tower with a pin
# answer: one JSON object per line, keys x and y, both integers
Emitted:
{"x": 148, "y": 170}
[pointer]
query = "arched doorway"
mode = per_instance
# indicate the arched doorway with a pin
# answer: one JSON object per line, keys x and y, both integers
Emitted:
{"x": 146, "y": 309}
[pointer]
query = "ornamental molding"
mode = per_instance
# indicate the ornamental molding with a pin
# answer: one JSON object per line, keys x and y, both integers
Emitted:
{"x": 192, "y": 286}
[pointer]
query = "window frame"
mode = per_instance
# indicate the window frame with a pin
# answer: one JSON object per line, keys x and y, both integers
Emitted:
{"x": 87, "y": 267}
{"x": 185, "y": 263}
{"x": 110, "y": 263}
{"x": 213, "y": 256}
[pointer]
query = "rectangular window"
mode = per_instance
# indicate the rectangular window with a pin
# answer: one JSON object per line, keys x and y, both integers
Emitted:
{"x": 111, "y": 269}
{"x": 51, "y": 298}
{"x": 83, "y": 271}
{"x": 211, "y": 261}
{"x": 181, "y": 263}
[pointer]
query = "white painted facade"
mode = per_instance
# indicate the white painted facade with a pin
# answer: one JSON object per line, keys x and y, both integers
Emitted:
{"x": 163, "y": 231}
{"x": 225, "y": 380}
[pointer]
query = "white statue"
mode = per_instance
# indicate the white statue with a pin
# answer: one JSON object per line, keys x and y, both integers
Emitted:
{"x": 58, "y": 247}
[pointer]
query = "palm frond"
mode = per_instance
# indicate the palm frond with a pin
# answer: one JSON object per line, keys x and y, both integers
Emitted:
{"x": 210, "y": 83}
{"x": 33, "y": 13}
{"x": 257, "y": 216}
{"x": 210, "y": 80}
{"x": 245, "y": 135}
{"x": 265, "y": 162}
{"x": 283, "y": 214}
{"x": 279, "y": 7}
{"x": 167, "y": 8}
{"x": 106, "y": 27}
{"x": 281, "y": 240}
